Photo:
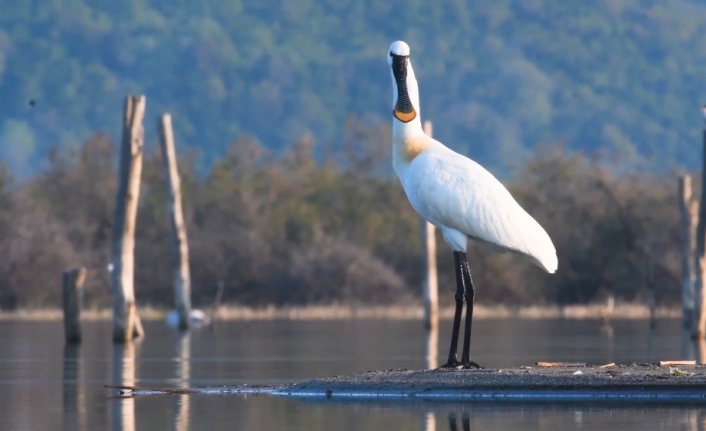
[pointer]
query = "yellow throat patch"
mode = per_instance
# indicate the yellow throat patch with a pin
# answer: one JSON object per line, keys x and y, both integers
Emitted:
{"x": 409, "y": 149}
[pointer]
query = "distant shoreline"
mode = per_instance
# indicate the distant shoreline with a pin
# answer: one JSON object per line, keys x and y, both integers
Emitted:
{"x": 341, "y": 312}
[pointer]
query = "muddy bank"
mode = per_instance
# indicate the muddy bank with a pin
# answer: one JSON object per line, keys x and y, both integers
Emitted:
{"x": 636, "y": 382}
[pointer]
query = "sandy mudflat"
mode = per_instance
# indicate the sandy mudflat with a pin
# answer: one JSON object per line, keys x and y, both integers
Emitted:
{"x": 635, "y": 382}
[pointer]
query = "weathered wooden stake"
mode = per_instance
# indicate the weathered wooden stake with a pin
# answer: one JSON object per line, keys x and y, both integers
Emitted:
{"x": 430, "y": 285}
{"x": 126, "y": 322}
{"x": 73, "y": 302}
{"x": 699, "y": 328}
{"x": 688, "y": 215}
{"x": 180, "y": 248}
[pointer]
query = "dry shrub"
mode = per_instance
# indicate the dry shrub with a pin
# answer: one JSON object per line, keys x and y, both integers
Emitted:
{"x": 332, "y": 269}
{"x": 292, "y": 229}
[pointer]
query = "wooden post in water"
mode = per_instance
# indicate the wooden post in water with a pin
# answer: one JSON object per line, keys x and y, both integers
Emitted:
{"x": 126, "y": 322}
{"x": 180, "y": 248}
{"x": 688, "y": 215}
{"x": 73, "y": 301}
{"x": 699, "y": 322}
{"x": 430, "y": 286}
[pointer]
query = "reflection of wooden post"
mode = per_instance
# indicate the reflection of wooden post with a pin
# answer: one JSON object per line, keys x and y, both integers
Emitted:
{"x": 123, "y": 410}
{"x": 687, "y": 345}
{"x": 431, "y": 347}
{"x": 71, "y": 396}
{"x": 700, "y": 348}
{"x": 182, "y": 279}
{"x": 126, "y": 322}
{"x": 430, "y": 287}
{"x": 688, "y": 216}
{"x": 607, "y": 311}
{"x": 73, "y": 300}
{"x": 650, "y": 285}
{"x": 183, "y": 372}
{"x": 428, "y": 421}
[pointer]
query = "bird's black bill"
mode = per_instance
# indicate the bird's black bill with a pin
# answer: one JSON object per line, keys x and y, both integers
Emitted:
{"x": 404, "y": 111}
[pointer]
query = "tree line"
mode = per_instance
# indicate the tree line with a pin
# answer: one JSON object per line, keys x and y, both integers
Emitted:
{"x": 496, "y": 76}
{"x": 327, "y": 222}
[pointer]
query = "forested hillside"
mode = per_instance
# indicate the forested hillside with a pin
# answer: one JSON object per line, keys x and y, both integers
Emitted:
{"x": 497, "y": 77}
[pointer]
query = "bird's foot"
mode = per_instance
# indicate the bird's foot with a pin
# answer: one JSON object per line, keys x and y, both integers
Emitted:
{"x": 452, "y": 363}
{"x": 472, "y": 365}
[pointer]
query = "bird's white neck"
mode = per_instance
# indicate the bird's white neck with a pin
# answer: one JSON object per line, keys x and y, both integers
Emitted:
{"x": 406, "y": 130}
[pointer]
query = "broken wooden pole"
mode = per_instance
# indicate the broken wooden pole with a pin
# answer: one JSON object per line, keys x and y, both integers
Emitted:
{"x": 688, "y": 216}
{"x": 126, "y": 322}
{"x": 430, "y": 287}
{"x": 73, "y": 301}
{"x": 180, "y": 248}
{"x": 560, "y": 364}
{"x": 675, "y": 363}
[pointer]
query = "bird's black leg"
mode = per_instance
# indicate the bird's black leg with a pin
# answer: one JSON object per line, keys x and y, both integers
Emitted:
{"x": 452, "y": 422}
{"x": 470, "y": 299}
{"x": 460, "y": 291}
{"x": 465, "y": 422}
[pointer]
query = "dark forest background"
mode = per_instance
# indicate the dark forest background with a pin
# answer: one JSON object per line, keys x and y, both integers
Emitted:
{"x": 586, "y": 111}
{"x": 497, "y": 76}
{"x": 291, "y": 229}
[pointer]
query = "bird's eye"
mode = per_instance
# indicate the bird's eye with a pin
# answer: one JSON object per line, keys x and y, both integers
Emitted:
{"x": 390, "y": 53}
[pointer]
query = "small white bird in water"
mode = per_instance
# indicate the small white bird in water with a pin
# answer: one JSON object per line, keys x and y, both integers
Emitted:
{"x": 458, "y": 196}
{"x": 197, "y": 318}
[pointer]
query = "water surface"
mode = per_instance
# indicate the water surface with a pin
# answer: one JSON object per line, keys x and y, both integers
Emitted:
{"x": 45, "y": 385}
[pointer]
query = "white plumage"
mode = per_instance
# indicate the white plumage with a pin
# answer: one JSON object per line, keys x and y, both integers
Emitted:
{"x": 458, "y": 196}
{"x": 453, "y": 192}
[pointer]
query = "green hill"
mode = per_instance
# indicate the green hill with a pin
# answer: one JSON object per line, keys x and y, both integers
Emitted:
{"x": 497, "y": 77}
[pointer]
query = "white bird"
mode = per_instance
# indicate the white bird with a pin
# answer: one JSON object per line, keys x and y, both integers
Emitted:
{"x": 457, "y": 195}
{"x": 197, "y": 318}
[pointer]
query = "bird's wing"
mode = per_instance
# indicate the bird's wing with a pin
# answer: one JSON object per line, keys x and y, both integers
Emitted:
{"x": 451, "y": 190}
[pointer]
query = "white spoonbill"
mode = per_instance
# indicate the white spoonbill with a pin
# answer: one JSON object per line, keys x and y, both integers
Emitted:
{"x": 458, "y": 196}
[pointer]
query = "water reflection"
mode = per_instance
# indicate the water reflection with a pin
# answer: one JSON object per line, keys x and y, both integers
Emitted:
{"x": 688, "y": 346}
{"x": 696, "y": 420}
{"x": 608, "y": 334}
{"x": 431, "y": 348}
{"x": 693, "y": 349}
{"x": 465, "y": 422}
{"x": 64, "y": 384}
{"x": 428, "y": 421}
{"x": 700, "y": 348}
{"x": 73, "y": 396}
{"x": 183, "y": 374}
{"x": 123, "y": 413}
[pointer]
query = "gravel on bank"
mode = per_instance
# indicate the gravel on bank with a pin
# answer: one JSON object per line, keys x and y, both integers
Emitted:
{"x": 636, "y": 382}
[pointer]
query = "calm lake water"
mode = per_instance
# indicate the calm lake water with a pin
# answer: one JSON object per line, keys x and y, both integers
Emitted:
{"x": 47, "y": 386}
